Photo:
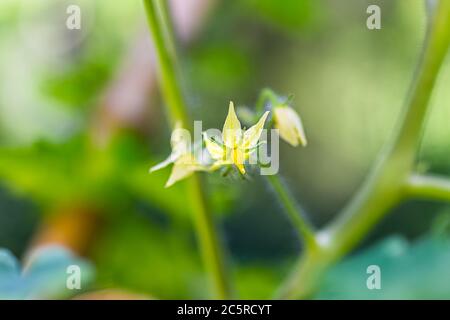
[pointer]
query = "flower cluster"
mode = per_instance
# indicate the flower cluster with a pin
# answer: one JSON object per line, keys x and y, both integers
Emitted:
{"x": 235, "y": 146}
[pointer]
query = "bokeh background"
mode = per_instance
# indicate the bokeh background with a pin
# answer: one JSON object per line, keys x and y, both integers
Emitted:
{"x": 81, "y": 121}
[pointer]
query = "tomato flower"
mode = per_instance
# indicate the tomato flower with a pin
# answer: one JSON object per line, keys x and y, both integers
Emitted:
{"x": 237, "y": 144}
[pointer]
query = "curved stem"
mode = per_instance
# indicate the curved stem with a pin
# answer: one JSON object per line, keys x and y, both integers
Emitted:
{"x": 265, "y": 95}
{"x": 428, "y": 187}
{"x": 165, "y": 52}
{"x": 384, "y": 187}
{"x": 302, "y": 226}
{"x": 268, "y": 95}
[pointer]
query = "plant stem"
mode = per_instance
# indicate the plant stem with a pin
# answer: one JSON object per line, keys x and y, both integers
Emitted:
{"x": 210, "y": 246}
{"x": 428, "y": 187}
{"x": 165, "y": 52}
{"x": 167, "y": 61}
{"x": 384, "y": 187}
{"x": 302, "y": 226}
{"x": 266, "y": 95}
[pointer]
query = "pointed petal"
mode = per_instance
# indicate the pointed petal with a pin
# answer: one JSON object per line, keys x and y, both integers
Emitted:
{"x": 182, "y": 168}
{"x": 216, "y": 151}
{"x": 232, "y": 132}
{"x": 179, "y": 172}
{"x": 172, "y": 158}
{"x": 252, "y": 135}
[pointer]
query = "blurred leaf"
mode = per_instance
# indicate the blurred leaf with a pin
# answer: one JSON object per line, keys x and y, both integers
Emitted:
{"x": 416, "y": 271}
{"x": 79, "y": 85}
{"x": 8, "y": 265}
{"x": 76, "y": 171}
{"x": 44, "y": 278}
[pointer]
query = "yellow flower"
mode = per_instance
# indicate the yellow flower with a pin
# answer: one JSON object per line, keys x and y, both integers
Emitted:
{"x": 237, "y": 145}
{"x": 289, "y": 124}
{"x": 184, "y": 162}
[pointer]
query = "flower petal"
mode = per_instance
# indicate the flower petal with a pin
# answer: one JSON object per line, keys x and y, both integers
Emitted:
{"x": 252, "y": 135}
{"x": 183, "y": 168}
{"x": 170, "y": 159}
{"x": 216, "y": 151}
{"x": 232, "y": 132}
{"x": 179, "y": 172}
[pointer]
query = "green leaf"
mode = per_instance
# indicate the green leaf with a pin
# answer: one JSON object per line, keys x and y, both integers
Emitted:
{"x": 420, "y": 270}
{"x": 44, "y": 277}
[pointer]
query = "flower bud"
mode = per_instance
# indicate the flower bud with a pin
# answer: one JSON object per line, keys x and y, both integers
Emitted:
{"x": 289, "y": 124}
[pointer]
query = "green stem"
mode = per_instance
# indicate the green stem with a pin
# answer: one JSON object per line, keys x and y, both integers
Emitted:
{"x": 266, "y": 95}
{"x": 210, "y": 246}
{"x": 428, "y": 187}
{"x": 165, "y": 52}
{"x": 167, "y": 61}
{"x": 302, "y": 226}
{"x": 384, "y": 187}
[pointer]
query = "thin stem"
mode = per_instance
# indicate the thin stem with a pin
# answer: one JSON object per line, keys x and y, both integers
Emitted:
{"x": 301, "y": 225}
{"x": 428, "y": 187}
{"x": 384, "y": 187}
{"x": 165, "y": 52}
{"x": 210, "y": 246}
{"x": 265, "y": 95}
